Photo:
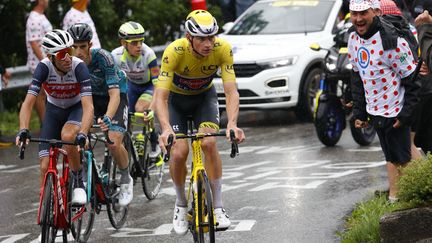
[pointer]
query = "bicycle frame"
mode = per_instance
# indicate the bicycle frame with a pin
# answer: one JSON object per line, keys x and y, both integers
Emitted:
{"x": 60, "y": 191}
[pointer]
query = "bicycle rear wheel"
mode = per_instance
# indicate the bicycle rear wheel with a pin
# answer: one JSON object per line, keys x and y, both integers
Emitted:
{"x": 116, "y": 214}
{"x": 49, "y": 231}
{"x": 206, "y": 223}
{"x": 151, "y": 178}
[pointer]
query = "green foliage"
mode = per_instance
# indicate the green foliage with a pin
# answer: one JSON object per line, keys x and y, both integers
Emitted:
{"x": 162, "y": 20}
{"x": 9, "y": 124}
{"x": 363, "y": 224}
{"x": 415, "y": 186}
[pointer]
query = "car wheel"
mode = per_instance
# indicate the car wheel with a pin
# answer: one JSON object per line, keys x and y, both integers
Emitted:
{"x": 308, "y": 90}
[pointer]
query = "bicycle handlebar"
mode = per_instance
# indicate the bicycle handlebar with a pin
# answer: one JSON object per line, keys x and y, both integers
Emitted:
{"x": 234, "y": 145}
{"x": 106, "y": 140}
{"x": 53, "y": 143}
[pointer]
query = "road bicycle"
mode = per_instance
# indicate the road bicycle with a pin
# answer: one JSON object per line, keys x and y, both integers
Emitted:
{"x": 202, "y": 222}
{"x": 55, "y": 210}
{"x": 102, "y": 187}
{"x": 150, "y": 170}
{"x": 330, "y": 113}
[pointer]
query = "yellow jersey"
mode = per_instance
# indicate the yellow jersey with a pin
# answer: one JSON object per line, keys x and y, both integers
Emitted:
{"x": 184, "y": 73}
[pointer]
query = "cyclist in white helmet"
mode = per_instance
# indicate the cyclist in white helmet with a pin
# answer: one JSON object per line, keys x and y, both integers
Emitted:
{"x": 69, "y": 108}
{"x": 185, "y": 88}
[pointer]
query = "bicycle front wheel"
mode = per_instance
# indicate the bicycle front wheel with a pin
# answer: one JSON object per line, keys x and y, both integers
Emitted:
{"x": 151, "y": 178}
{"x": 206, "y": 222}
{"x": 83, "y": 217}
{"x": 49, "y": 231}
{"x": 116, "y": 214}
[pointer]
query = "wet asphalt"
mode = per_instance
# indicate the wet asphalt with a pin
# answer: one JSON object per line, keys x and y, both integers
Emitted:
{"x": 284, "y": 187}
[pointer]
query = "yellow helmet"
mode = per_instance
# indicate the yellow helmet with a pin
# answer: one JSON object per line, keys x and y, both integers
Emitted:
{"x": 131, "y": 31}
{"x": 201, "y": 23}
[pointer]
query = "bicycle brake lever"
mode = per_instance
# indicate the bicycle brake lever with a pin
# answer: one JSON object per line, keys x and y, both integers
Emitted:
{"x": 107, "y": 138}
{"x": 22, "y": 149}
{"x": 168, "y": 148}
{"x": 234, "y": 145}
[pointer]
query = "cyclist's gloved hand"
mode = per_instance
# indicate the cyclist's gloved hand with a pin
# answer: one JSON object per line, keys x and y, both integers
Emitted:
{"x": 23, "y": 135}
{"x": 81, "y": 139}
{"x": 107, "y": 120}
{"x": 148, "y": 115}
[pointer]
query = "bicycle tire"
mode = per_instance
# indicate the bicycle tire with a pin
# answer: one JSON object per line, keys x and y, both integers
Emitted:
{"x": 87, "y": 219}
{"x": 116, "y": 214}
{"x": 205, "y": 210}
{"x": 151, "y": 178}
{"x": 49, "y": 232}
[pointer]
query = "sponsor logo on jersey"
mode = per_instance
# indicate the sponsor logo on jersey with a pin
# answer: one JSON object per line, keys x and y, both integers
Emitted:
{"x": 154, "y": 71}
{"x": 402, "y": 58}
{"x": 165, "y": 59}
{"x": 217, "y": 44}
{"x": 229, "y": 68}
{"x": 192, "y": 84}
{"x": 179, "y": 50}
{"x": 363, "y": 57}
{"x": 164, "y": 74}
{"x": 186, "y": 70}
{"x": 209, "y": 69}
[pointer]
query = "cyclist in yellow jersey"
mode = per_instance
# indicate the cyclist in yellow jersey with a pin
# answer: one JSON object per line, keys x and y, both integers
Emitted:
{"x": 184, "y": 88}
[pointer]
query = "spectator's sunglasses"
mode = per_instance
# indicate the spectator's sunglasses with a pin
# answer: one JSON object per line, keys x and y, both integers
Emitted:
{"x": 60, "y": 55}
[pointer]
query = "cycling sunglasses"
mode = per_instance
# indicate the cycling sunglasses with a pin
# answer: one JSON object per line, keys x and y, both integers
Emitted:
{"x": 60, "y": 55}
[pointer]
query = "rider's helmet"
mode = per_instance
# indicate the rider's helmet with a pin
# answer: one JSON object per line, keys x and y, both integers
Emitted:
{"x": 201, "y": 23}
{"x": 81, "y": 32}
{"x": 56, "y": 40}
{"x": 131, "y": 31}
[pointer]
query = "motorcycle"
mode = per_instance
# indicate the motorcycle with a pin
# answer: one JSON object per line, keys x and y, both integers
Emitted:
{"x": 332, "y": 101}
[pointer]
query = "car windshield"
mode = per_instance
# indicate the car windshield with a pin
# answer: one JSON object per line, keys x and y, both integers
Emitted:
{"x": 283, "y": 17}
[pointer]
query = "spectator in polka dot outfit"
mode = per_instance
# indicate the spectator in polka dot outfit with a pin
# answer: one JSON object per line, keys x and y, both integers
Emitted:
{"x": 382, "y": 83}
{"x": 424, "y": 127}
{"x": 36, "y": 27}
{"x": 78, "y": 14}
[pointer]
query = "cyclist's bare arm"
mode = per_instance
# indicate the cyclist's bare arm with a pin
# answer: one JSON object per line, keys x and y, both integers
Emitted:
{"x": 232, "y": 109}
{"x": 25, "y": 113}
{"x": 88, "y": 113}
{"x": 161, "y": 105}
{"x": 114, "y": 101}
{"x": 35, "y": 45}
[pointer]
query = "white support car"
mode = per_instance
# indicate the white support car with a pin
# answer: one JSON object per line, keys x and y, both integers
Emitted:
{"x": 274, "y": 65}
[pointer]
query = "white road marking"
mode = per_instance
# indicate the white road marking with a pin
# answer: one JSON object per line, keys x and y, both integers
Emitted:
{"x": 329, "y": 175}
{"x": 12, "y": 238}
{"x": 275, "y": 185}
{"x": 5, "y": 167}
{"x": 240, "y": 168}
{"x": 21, "y": 169}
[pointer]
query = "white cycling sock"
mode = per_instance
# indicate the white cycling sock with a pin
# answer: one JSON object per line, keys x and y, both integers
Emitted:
{"x": 216, "y": 186}
{"x": 181, "y": 200}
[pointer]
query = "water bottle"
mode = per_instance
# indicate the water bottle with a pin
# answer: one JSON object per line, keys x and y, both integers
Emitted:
{"x": 139, "y": 144}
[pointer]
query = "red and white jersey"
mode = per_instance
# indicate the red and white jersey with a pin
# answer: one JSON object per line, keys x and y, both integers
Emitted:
{"x": 381, "y": 72}
{"x": 74, "y": 16}
{"x": 36, "y": 27}
{"x": 65, "y": 90}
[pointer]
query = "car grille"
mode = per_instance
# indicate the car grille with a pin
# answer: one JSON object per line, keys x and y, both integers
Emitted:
{"x": 247, "y": 70}
{"x": 258, "y": 101}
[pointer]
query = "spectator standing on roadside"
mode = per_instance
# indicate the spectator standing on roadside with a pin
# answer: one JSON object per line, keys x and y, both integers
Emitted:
{"x": 37, "y": 26}
{"x": 78, "y": 14}
{"x": 232, "y": 9}
{"x": 423, "y": 137}
{"x": 382, "y": 84}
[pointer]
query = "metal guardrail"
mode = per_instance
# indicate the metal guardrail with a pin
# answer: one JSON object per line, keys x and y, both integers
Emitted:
{"x": 21, "y": 76}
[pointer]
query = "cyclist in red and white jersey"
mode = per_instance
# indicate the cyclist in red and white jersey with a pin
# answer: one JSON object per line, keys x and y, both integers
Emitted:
{"x": 69, "y": 112}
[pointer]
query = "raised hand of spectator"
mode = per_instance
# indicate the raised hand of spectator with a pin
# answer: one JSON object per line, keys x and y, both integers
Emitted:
{"x": 423, "y": 18}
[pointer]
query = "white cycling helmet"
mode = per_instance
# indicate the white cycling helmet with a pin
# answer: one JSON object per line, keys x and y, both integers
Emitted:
{"x": 56, "y": 40}
{"x": 201, "y": 23}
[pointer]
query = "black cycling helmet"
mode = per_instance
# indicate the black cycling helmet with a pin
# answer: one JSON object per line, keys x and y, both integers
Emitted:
{"x": 81, "y": 32}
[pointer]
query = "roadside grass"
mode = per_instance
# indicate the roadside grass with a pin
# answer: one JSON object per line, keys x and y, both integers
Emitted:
{"x": 415, "y": 190}
{"x": 9, "y": 123}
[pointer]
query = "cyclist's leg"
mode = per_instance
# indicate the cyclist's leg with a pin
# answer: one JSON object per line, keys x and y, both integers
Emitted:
{"x": 207, "y": 116}
{"x": 53, "y": 123}
{"x": 133, "y": 95}
{"x": 178, "y": 169}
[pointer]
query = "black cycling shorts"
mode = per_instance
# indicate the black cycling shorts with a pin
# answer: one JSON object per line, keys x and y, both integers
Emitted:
{"x": 120, "y": 119}
{"x": 203, "y": 108}
{"x": 53, "y": 122}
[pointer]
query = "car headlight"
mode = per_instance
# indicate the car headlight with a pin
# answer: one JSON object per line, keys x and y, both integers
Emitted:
{"x": 279, "y": 63}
